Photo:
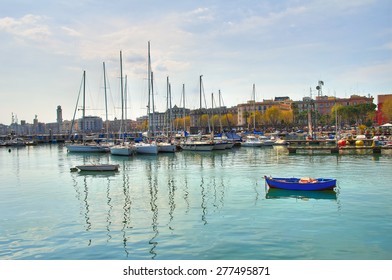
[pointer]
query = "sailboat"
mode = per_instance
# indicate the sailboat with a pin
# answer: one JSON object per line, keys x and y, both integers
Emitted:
{"x": 310, "y": 123}
{"x": 196, "y": 143}
{"x": 148, "y": 147}
{"x": 252, "y": 140}
{"x": 84, "y": 146}
{"x": 124, "y": 148}
{"x": 166, "y": 146}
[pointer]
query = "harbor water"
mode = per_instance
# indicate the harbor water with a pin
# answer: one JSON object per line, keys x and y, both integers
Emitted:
{"x": 193, "y": 206}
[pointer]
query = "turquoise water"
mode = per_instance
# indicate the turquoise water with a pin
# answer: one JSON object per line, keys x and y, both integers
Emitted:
{"x": 203, "y": 206}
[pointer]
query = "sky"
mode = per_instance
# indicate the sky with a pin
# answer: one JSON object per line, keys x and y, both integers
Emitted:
{"x": 283, "y": 47}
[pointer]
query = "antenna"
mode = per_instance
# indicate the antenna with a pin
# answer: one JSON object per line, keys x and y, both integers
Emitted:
{"x": 319, "y": 88}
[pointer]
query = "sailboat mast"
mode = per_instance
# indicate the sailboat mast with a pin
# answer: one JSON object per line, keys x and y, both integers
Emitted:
{"x": 84, "y": 101}
{"x": 183, "y": 97}
{"x": 254, "y": 107}
{"x": 167, "y": 105}
{"x": 122, "y": 93}
{"x": 220, "y": 114}
{"x": 126, "y": 98}
{"x": 336, "y": 121}
{"x": 310, "y": 128}
{"x": 201, "y": 105}
{"x": 170, "y": 112}
{"x": 212, "y": 111}
{"x": 122, "y": 87}
{"x": 200, "y": 91}
{"x": 149, "y": 86}
{"x": 152, "y": 100}
{"x": 106, "y": 100}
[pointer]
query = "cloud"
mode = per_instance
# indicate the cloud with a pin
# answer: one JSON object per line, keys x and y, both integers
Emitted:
{"x": 387, "y": 46}
{"x": 30, "y": 26}
{"x": 71, "y": 32}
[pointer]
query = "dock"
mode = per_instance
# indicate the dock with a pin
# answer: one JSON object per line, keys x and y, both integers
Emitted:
{"x": 336, "y": 149}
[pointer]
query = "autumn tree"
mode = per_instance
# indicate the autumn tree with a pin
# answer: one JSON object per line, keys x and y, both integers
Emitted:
{"x": 287, "y": 117}
{"x": 273, "y": 115}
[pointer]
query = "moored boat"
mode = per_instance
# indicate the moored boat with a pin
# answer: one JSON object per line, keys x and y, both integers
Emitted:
{"x": 251, "y": 141}
{"x": 197, "y": 145}
{"x": 123, "y": 149}
{"x": 146, "y": 148}
{"x": 83, "y": 148}
{"x": 164, "y": 147}
{"x": 96, "y": 167}
{"x": 302, "y": 184}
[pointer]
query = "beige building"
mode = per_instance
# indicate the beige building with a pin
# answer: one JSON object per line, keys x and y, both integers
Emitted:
{"x": 245, "y": 110}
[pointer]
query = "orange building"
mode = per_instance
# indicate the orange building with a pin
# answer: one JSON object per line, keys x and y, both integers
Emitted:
{"x": 380, "y": 100}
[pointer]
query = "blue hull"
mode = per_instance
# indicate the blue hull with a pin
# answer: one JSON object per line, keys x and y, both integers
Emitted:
{"x": 295, "y": 185}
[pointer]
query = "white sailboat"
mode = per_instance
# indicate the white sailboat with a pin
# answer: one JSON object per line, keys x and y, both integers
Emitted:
{"x": 124, "y": 148}
{"x": 84, "y": 146}
{"x": 148, "y": 147}
{"x": 196, "y": 143}
{"x": 166, "y": 146}
{"x": 251, "y": 141}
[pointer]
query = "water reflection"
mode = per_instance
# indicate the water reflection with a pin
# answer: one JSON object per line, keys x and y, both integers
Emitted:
{"x": 82, "y": 181}
{"x": 303, "y": 195}
{"x": 153, "y": 190}
{"x": 126, "y": 222}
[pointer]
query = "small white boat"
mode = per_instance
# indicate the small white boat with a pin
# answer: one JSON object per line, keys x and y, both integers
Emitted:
{"x": 146, "y": 148}
{"x": 251, "y": 141}
{"x": 266, "y": 141}
{"x": 164, "y": 147}
{"x": 280, "y": 142}
{"x": 123, "y": 150}
{"x": 197, "y": 146}
{"x": 96, "y": 167}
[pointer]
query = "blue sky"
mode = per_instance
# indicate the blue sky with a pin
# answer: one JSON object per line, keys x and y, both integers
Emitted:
{"x": 283, "y": 47}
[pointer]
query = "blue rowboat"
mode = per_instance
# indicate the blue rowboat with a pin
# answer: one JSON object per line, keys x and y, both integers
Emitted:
{"x": 301, "y": 184}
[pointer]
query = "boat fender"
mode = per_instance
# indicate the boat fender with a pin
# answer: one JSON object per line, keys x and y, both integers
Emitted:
{"x": 304, "y": 180}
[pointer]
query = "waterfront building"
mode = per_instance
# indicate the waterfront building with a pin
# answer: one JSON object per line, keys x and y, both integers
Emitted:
{"x": 162, "y": 120}
{"x": 59, "y": 119}
{"x": 324, "y": 104}
{"x": 90, "y": 124}
{"x": 381, "y": 119}
{"x": 246, "y": 109}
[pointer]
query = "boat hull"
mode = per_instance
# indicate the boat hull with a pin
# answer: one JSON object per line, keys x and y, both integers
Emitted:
{"x": 166, "y": 148}
{"x": 87, "y": 149}
{"x": 219, "y": 146}
{"x": 251, "y": 144}
{"x": 149, "y": 149}
{"x": 202, "y": 147}
{"x": 274, "y": 193}
{"x": 122, "y": 151}
{"x": 295, "y": 184}
{"x": 98, "y": 167}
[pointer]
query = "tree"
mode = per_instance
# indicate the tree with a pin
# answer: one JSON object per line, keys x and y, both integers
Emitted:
{"x": 179, "y": 122}
{"x": 273, "y": 115}
{"x": 229, "y": 120}
{"x": 287, "y": 117}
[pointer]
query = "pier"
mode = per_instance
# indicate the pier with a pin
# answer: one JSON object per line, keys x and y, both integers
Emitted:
{"x": 337, "y": 150}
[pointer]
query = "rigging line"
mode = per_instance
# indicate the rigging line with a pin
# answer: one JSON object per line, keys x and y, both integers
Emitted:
{"x": 76, "y": 108}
